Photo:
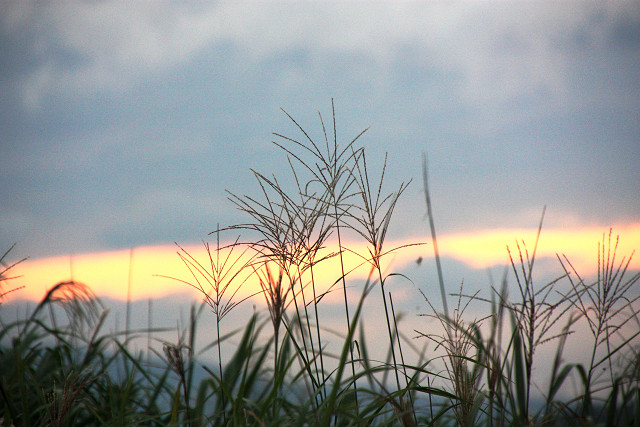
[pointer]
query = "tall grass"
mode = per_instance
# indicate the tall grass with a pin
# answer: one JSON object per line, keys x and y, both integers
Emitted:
{"x": 59, "y": 366}
{"x": 607, "y": 305}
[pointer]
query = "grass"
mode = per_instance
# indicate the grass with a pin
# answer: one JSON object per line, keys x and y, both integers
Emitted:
{"x": 59, "y": 366}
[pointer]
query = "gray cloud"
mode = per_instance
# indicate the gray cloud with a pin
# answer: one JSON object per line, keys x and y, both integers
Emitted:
{"x": 123, "y": 124}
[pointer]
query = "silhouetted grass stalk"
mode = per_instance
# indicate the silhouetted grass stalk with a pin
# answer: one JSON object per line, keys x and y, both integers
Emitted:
{"x": 329, "y": 169}
{"x": 432, "y": 228}
{"x": 462, "y": 346}
{"x": 219, "y": 275}
{"x": 606, "y": 307}
{"x": 372, "y": 218}
{"x": 536, "y": 313}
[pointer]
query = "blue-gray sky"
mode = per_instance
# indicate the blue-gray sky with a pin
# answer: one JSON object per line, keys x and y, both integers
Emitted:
{"x": 122, "y": 123}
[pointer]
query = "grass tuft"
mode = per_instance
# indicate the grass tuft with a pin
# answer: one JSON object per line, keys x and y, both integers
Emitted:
{"x": 58, "y": 365}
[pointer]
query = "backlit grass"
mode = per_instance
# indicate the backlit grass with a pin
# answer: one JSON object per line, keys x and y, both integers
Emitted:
{"x": 63, "y": 367}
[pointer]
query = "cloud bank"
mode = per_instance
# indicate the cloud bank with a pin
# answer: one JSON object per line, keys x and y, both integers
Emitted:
{"x": 121, "y": 125}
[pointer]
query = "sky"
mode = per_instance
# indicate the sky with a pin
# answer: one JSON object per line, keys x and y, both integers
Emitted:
{"x": 123, "y": 123}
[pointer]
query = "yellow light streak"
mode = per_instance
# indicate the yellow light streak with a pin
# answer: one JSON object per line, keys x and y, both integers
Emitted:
{"x": 110, "y": 273}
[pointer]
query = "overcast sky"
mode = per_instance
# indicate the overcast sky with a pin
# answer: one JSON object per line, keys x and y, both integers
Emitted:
{"x": 122, "y": 123}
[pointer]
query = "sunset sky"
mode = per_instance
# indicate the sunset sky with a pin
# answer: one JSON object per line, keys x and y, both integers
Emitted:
{"x": 123, "y": 123}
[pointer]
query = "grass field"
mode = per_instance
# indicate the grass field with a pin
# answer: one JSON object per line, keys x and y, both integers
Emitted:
{"x": 59, "y": 365}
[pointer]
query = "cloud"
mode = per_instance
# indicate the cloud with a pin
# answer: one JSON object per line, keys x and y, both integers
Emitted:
{"x": 112, "y": 45}
{"x": 111, "y": 107}
{"x": 102, "y": 46}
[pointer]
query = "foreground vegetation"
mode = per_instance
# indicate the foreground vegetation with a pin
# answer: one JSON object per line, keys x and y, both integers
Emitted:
{"x": 67, "y": 370}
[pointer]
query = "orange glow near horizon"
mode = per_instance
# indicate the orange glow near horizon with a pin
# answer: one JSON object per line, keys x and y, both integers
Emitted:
{"x": 154, "y": 271}
{"x": 109, "y": 274}
{"x": 487, "y": 248}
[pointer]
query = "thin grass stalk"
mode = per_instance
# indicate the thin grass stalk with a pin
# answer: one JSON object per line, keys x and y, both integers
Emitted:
{"x": 373, "y": 225}
{"x": 276, "y": 299}
{"x": 307, "y": 356}
{"x": 308, "y": 325}
{"x": 374, "y": 233}
{"x": 319, "y": 210}
{"x": 434, "y": 239}
{"x": 532, "y": 312}
{"x": 224, "y": 403}
{"x": 338, "y": 228}
{"x": 459, "y": 338}
{"x": 305, "y": 363}
{"x": 559, "y": 375}
{"x": 494, "y": 348}
{"x": 149, "y": 326}
{"x": 175, "y": 359}
{"x": 535, "y": 314}
{"x": 332, "y": 397}
{"x": 335, "y": 201}
{"x": 219, "y": 275}
{"x": 606, "y": 308}
{"x": 302, "y": 352}
{"x": 391, "y": 340}
{"x": 287, "y": 228}
{"x": 127, "y": 322}
{"x": 328, "y": 171}
{"x": 320, "y": 350}
{"x": 404, "y": 366}
{"x": 305, "y": 257}
{"x": 192, "y": 345}
{"x": 346, "y": 304}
